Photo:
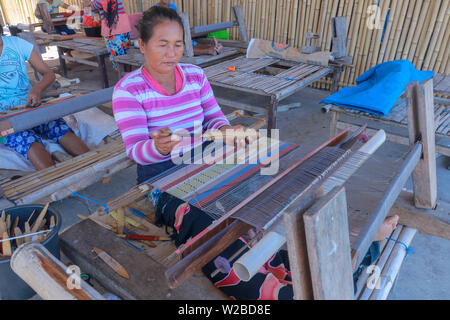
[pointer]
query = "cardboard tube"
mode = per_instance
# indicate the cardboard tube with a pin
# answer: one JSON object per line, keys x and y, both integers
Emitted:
{"x": 249, "y": 264}
{"x": 374, "y": 143}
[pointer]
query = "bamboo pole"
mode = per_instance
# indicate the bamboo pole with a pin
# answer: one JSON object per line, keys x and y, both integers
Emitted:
{"x": 434, "y": 44}
{"x": 391, "y": 24}
{"x": 442, "y": 51}
{"x": 427, "y": 32}
{"x": 424, "y": 17}
{"x": 412, "y": 30}
{"x": 393, "y": 264}
{"x": 407, "y": 24}
{"x": 380, "y": 263}
{"x": 300, "y": 27}
{"x": 402, "y": 10}
{"x": 375, "y": 42}
{"x": 293, "y": 24}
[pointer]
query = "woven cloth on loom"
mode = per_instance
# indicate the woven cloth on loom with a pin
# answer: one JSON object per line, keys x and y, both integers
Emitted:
{"x": 217, "y": 188}
{"x": 379, "y": 88}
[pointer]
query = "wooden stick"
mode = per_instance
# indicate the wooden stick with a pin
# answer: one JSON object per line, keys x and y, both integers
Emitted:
{"x": 112, "y": 263}
{"x": 6, "y": 246}
{"x": 18, "y": 233}
{"x": 39, "y": 219}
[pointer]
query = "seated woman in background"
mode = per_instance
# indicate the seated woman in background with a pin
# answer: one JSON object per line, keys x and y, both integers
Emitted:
{"x": 53, "y": 7}
{"x": 199, "y": 48}
{"x": 16, "y": 90}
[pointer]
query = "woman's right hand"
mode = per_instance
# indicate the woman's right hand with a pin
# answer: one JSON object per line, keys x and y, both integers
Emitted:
{"x": 165, "y": 142}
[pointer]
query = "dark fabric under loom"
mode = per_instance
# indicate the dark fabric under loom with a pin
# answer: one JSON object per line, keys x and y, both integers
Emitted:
{"x": 272, "y": 282}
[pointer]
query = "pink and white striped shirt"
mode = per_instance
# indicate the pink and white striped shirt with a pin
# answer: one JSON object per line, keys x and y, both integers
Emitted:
{"x": 139, "y": 109}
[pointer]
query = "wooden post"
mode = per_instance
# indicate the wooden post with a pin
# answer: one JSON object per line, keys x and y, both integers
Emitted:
{"x": 272, "y": 115}
{"x": 298, "y": 255}
{"x": 102, "y": 67}
{"x": 239, "y": 14}
{"x": 188, "y": 46}
{"x": 422, "y": 128}
{"x": 339, "y": 29}
{"x": 328, "y": 243}
{"x": 48, "y": 276}
{"x": 46, "y": 18}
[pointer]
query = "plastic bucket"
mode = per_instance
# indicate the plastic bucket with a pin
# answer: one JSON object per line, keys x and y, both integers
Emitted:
{"x": 12, "y": 287}
{"x": 93, "y": 32}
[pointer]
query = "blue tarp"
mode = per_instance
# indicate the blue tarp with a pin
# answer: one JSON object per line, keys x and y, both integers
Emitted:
{"x": 379, "y": 88}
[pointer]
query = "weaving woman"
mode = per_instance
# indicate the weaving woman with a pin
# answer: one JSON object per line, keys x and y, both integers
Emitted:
{"x": 16, "y": 90}
{"x": 156, "y": 100}
{"x": 115, "y": 26}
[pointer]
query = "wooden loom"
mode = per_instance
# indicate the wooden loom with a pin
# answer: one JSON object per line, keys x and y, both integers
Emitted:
{"x": 312, "y": 219}
{"x": 306, "y": 249}
{"x": 59, "y": 181}
{"x": 220, "y": 188}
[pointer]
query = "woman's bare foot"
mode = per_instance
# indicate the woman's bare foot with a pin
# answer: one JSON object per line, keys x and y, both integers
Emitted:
{"x": 389, "y": 225}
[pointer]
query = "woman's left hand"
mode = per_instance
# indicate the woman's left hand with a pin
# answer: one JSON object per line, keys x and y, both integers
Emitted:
{"x": 34, "y": 98}
{"x": 240, "y": 135}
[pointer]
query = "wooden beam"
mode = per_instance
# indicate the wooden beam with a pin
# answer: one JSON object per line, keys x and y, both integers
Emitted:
{"x": 46, "y": 18}
{"x": 82, "y": 61}
{"x": 327, "y": 238}
{"x": 43, "y": 114}
{"x": 206, "y": 29}
{"x": 421, "y": 127}
{"x": 367, "y": 235}
{"x": 339, "y": 29}
{"x": 297, "y": 249}
{"x": 430, "y": 222}
{"x": 239, "y": 14}
{"x": 188, "y": 46}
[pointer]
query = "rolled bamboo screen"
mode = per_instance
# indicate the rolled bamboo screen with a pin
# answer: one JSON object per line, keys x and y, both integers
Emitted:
{"x": 417, "y": 30}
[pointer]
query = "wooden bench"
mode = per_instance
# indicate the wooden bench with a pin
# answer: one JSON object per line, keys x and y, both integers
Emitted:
{"x": 134, "y": 58}
{"x": 93, "y": 46}
{"x": 396, "y": 122}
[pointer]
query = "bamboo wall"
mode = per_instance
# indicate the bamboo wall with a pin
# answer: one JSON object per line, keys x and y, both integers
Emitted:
{"x": 417, "y": 30}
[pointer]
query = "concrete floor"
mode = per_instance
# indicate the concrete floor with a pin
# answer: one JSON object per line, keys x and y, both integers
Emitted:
{"x": 424, "y": 275}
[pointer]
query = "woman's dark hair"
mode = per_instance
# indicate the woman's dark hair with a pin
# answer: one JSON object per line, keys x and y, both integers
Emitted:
{"x": 154, "y": 16}
{"x": 111, "y": 13}
{"x": 1, "y": 30}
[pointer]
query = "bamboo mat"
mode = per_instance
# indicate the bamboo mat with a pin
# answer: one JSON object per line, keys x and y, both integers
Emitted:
{"x": 399, "y": 115}
{"x": 39, "y": 180}
{"x": 247, "y": 75}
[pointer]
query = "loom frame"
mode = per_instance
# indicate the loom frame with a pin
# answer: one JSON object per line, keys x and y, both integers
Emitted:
{"x": 420, "y": 205}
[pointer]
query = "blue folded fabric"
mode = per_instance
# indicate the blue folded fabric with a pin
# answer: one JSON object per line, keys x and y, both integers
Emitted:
{"x": 379, "y": 88}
